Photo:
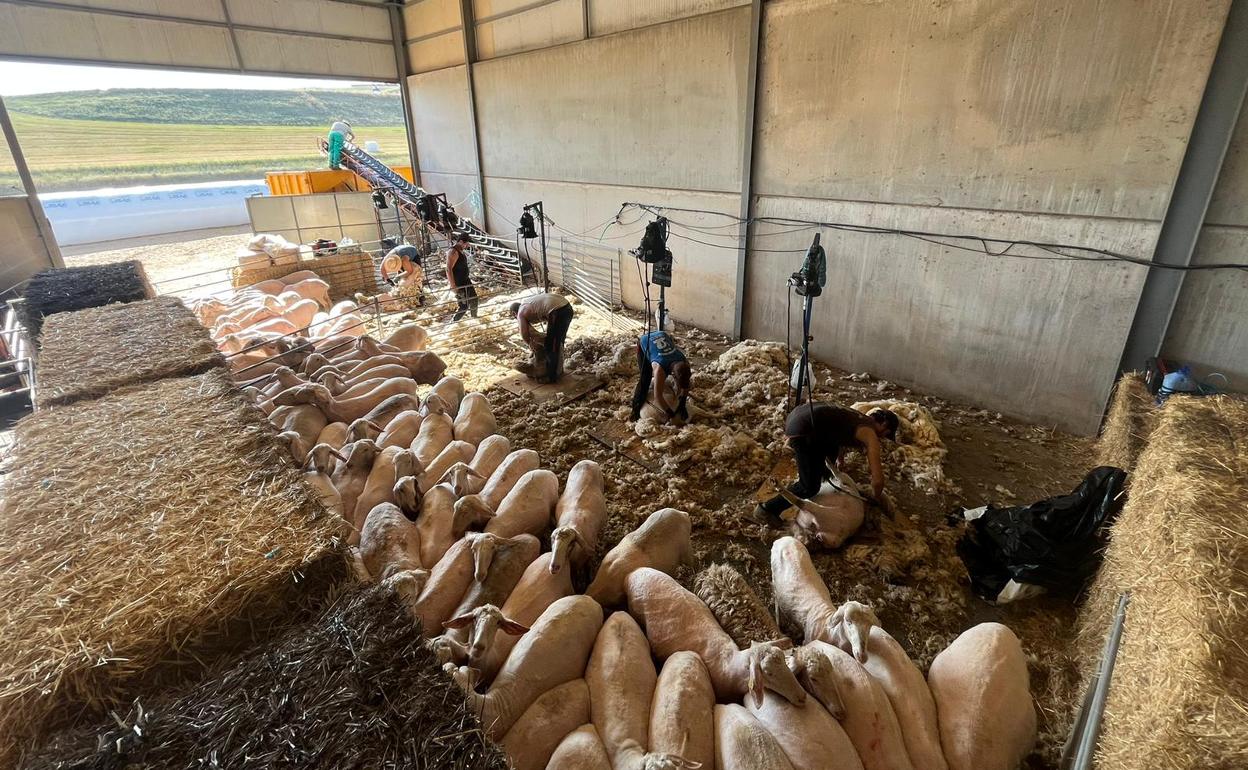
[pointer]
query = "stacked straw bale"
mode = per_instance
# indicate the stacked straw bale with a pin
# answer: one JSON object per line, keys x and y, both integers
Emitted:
{"x": 346, "y": 272}
{"x": 1128, "y": 423}
{"x": 88, "y": 353}
{"x": 356, "y": 688}
{"x": 1179, "y": 694}
{"x": 143, "y": 536}
{"x": 77, "y": 288}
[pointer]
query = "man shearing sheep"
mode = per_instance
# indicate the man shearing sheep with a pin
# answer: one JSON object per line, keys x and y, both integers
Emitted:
{"x": 658, "y": 358}
{"x": 555, "y": 311}
{"x": 819, "y": 434}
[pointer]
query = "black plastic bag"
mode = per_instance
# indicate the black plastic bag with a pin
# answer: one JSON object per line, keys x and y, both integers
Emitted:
{"x": 1055, "y": 543}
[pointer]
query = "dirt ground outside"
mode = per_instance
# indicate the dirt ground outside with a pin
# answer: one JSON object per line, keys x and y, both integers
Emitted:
{"x": 905, "y": 567}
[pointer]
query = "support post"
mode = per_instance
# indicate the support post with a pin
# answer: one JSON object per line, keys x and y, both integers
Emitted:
{"x": 470, "y": 56}
{"x": 50, "y": 246}
{"x": 1193, "y": 188}
{"x": 229, "y": 24}
{"x": 746, "y": 210}
{"x": 398, "y": 32}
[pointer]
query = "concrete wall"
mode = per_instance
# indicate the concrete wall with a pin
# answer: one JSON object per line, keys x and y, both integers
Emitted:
{"x": 1047, "y": 120}
{"x": 306, "y": 218}
{"x": 299, "y": 37}
{"x": 1209, "y": 328}
{"x": 22, "y": 250}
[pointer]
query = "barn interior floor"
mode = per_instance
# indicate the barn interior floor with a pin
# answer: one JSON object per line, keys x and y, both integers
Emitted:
{"x": 907, "y": 569}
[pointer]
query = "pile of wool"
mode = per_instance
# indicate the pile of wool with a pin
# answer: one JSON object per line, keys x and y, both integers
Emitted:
{"x": 601, "y": 356}
{"x": 918, "y": 451}
{"x": 749, "y": 379}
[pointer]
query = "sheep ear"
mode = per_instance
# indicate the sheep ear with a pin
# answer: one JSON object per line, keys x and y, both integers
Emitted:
{"x": 475, "y": 474}
{"x": 782, "y": 643}
{"x": 338, "y": 454}
{"x": 755, "y": 683}
{"x": 579, "y": 539}
{"x": 512, "y": 627}
{"x": 461, "y": 621}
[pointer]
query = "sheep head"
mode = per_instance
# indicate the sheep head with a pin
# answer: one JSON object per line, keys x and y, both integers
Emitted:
{"x": 314, "y": 363}
{"x": 296, "y": 444}
{"x": 408, "y": 497}
{"x": 408, "y": 583}
{"x": 561, "y": 541}
{"x": 459, "y": 478}
{"x": 483, "y": 546}
{"x": 850, "y": 627}
{"x": 321, "y": 457}
{"x": 406, "y": 464}
{"x": 332, "y": 380}
{"x": 486, "y": 620}
{"x": 434, "y": 404}
{"x": 770, "y": 671}
{"x": 363, "y": 429}
{"x": 817, "y": 675}
{"x": 361, "y": 454}
{"x": 308, "y": 393}
{"x": 470, "y": 511}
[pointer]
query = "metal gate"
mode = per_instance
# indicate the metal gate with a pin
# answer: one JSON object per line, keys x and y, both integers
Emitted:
{"x": 591, "y": 271}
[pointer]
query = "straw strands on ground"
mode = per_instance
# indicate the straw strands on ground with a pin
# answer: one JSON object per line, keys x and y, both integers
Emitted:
{"x": 88, "y": 353}
{"x": 77, "y": 288}
{"x": 1128, "y": 423}
{"x": 356, "y": 688}
{"x": 1179, "y": 695}
{"x": 143, "y": 536}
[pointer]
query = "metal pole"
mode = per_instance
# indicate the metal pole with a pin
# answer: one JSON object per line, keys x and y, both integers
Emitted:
{"x": 399, "y": 32}
{"x": 470, "y": 56}
{"x": 42, "y": 224}
{"x": 541, "y": 214}
{"x": 1219, "y": 111}
{"x": 746, "y": 210}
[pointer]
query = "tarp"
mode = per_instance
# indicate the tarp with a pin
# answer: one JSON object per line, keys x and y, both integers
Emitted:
{"x": 1055, "y": 543}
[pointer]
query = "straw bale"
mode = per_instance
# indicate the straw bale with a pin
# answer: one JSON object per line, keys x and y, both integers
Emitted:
{"x": 144, "y": 535}
{"x": 1179, "y": 694}
{"x": 345, "y": 272}
{"x": 88, "y": 353}
{"x": 76, "y": 288}
{"x": 356, "y": 688}
{"x": 1128, "y": 423}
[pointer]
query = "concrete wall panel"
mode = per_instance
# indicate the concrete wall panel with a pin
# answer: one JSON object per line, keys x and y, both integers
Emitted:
{"x": 1229, "y": 205}
{"x": 437, "y": 52}
{"x": 661, "y": 107}
{"x": 1036, "y": 339}
{"x": 50, "y": 33}
{"x": 274, "y": 52}
{"x": 313, "y": 16}
{"x": 22, "y": 250}
{"x": 607, "y": 16}
{"x": 703, "y": 280}
{"x": 440, "y": 113}
{"x": 1060, "y": 106}
{"x": 1209, "y": 328}
{"x": 501, "y": 30}
{"x": 426, "y": 17}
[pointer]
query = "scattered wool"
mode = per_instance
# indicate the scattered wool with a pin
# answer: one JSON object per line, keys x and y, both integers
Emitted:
{"x": 918, "y": 451}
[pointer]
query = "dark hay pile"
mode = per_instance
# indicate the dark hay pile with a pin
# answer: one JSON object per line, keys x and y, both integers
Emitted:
{"x": 356, "y": 688}
{"x": 1179, "y": 695}
{"x": 143, "y": 536}
{"x": 78, "y": 288}
{"x": 1130, "y": 419}
{"x": 88, "y": 353}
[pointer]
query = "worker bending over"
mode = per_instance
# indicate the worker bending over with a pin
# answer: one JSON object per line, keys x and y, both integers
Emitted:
{"x": 458, "y": 278}
{"x": 556, "y": 312}
{"x": 339, "y": 134}
{"x": 819, "y": 434}
{"x": 657, "y": 359}
{"x": 401, "y": 269}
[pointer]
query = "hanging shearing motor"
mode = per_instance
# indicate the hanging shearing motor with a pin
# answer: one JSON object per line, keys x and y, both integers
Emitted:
{"x": 812, "y": 276}
{"x": 654, "y": 252}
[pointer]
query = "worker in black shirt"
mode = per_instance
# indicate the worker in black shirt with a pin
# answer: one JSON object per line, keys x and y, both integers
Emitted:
{"x": 457, "y": 276}
{"x": 819, "y": 434}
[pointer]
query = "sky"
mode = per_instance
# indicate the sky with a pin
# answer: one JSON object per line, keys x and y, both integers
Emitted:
{"x": 18, "y": 78}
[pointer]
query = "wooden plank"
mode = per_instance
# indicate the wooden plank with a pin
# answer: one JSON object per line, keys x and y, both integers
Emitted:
{"x": 618, "y": 437}
{"x": 570, "y": 387}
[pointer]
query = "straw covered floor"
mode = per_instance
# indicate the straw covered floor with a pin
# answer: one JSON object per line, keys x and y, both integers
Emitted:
{"x": 76, "y": 288}
{"x": 1128, "y": 423}
{"x": 1179, "y": 694}
{"x": 356, "y": 688}
{"x": 88, "y": 353}
{"x": 143, "y": 536}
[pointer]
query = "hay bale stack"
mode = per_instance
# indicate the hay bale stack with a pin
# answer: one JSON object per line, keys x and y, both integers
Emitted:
{"x": 143, "y": 536}
{"x": 1179, "y": 696}
{"x": 346, "y": 272}
{"x": 356, "y": 688}
{"x": 1128, "y": 423}
{"x": 78, "y": 288}
{"x": 88, "y": 353}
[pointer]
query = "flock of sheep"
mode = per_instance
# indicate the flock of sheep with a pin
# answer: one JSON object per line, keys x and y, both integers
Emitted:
{"x": 445, "y": 512}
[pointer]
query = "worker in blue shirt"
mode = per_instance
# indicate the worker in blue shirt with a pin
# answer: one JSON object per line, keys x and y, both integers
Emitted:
{"x": 657, "y": 359}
